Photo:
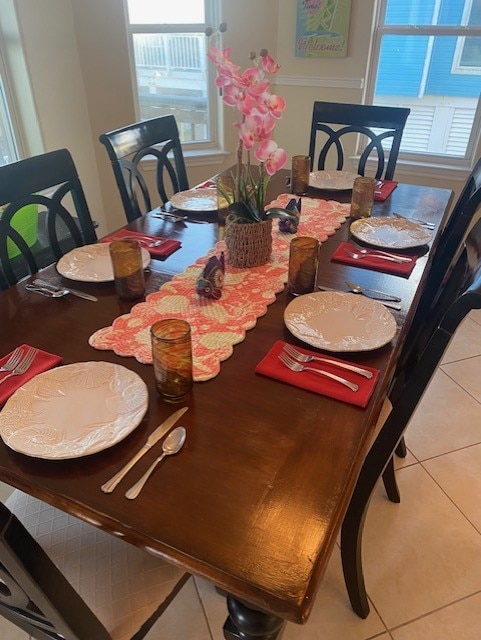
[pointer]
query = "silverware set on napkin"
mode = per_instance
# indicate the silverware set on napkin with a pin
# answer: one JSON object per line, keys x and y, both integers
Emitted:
{"x": 361, "y": 252}
{"x": 296, "y": 360}
{"x": 18, "y": 363}
{"x": 172, "y": 444}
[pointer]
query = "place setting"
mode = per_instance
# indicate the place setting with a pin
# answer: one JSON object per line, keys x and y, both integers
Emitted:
{"x": 21, "y": 365}
{"x": 313, "y": 371}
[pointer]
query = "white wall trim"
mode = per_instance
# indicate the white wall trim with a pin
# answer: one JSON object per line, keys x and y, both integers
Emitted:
{"x": 312, "y": 81}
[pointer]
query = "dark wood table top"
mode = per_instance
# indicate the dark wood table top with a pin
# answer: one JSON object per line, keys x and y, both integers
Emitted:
{"x": 256, "y": 499}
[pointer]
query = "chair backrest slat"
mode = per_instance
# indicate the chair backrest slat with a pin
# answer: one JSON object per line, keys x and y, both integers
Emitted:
{"x": 357, "y": 119}
{"x": 35, "y": 595}
{"x": 446, "y": 276}
{"x": 47, "y": 182}
{"x": 127, "y": 149}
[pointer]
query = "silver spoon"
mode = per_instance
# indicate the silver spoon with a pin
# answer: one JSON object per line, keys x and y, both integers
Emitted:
{"x": 172, "y": 444}
{"x": 48, "y": 293}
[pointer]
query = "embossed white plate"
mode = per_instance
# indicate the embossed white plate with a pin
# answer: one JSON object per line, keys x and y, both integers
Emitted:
{"x": 74, "y": 410}
{"x": 390, "y": 233}
{"x": 91, "y": 263}
{"x": 332, "y": 180}
{"x": 195, "y": 200}
{"x": 338, "y": 321}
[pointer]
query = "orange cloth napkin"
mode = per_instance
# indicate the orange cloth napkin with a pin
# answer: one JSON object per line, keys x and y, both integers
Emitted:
{"x": 374, "y": 262}
{"x": 384, "y": 191}
{"x": 272, "y": 367}
{"x": 161, "y": 251}
{"x": 43, "y": 361}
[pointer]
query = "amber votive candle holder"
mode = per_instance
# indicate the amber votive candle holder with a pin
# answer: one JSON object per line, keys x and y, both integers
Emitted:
{"x": 126, "y": 256}
{"x": 362, "y": 197}
{"x": 300, "y": 174}
{"x": 172, "y": 358}
{"x": 303, "y": 261}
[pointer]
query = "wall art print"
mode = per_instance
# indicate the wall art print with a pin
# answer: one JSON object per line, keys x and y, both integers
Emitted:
{"x": 322, "y": 28}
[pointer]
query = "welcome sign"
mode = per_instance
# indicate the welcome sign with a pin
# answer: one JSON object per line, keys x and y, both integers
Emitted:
{"x": 322, "y": 28}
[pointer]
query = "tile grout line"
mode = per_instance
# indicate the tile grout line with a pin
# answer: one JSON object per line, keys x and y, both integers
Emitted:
{"x": 204, "y": 611}
{"x": 425, "y": 615}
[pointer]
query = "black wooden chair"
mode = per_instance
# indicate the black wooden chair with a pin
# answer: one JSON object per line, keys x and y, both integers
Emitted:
{"x": 332, "y": 121}
{"x": 441, "y": 284}
{"x": 128, "y": 147}
{"x": 49, "y": 181}
{"x": 62, "y": 579}
{"x": 461, "y": 294}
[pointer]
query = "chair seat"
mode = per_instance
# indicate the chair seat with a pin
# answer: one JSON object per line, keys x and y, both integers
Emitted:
{"x": 122, "y": 585}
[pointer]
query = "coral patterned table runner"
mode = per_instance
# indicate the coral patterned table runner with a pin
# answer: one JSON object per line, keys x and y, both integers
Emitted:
{"x": 217, "y": 325}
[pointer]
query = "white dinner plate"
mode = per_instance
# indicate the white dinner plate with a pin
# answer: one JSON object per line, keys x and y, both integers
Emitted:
{"x": 195, "y": 200}
{"x": 390, "y": 233}
{"x": 74, "y": 410}
{"x": 337, "y": 321}
{"x": 332, "y": 180}
{"x": 91, "y": 263}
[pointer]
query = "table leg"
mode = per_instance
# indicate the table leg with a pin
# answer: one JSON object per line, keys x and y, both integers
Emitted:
{"x": 246, "y": 623}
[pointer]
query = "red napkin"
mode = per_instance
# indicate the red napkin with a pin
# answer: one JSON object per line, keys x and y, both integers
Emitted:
{"x": 205, "y": 185}
{"x": 384, "y": 190}
{"x": 43, "y": 361}
{"x": 161, "y": 251}
{"x": 272, "y": 367}
{"x": 374, "y": 262}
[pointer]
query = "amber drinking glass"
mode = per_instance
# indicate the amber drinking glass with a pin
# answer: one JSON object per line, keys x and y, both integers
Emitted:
{"x": 303, "y": 259}
{"x": 126, "y": 256}
{"x": 362, "y": 197}
{"x": 172, "y": 358}
{"x": 300, "y": 174}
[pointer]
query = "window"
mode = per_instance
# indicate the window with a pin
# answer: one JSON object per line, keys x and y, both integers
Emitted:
{"x": 427, "y": 56}
{"x": 172, "y": 75}
{"x": 8, "y": 145}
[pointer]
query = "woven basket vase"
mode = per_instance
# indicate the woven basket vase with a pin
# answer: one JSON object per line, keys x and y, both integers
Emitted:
{"x": 248, "y": 245}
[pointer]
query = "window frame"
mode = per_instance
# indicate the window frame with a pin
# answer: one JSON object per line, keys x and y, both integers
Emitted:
{"x": 381, "y": 29}
{"x": 212, "y": 11}
{"x": 458, "y": 53}
{"x": 7, "y": 109}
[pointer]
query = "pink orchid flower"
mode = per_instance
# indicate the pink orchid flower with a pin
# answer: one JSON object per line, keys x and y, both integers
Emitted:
{"x": 255, "y": 128}
{"x": 254, "y": 81}
{"x": 222, "y": 58}
{"x": 235, "y": 97}
{"x": 273, "y": 157}
{"x": 269, "y": 64}
{"x": 275, "y": 105}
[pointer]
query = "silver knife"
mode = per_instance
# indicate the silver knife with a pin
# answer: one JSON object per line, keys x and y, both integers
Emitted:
{"x": 154, "y": 437}
{"x": 390, "y": 305}
{"x": 75, "y": 292}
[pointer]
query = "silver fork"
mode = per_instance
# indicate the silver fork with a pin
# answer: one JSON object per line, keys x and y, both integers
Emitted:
{"x": 306, "y": 357}
{"x": 13, "y": 360}
{"x": 146, "y": 242}
{"x": 298, "y": 367}
{"x": 24, "y": 364}
{"x": 359, "y": 255}
{"x": 377, "y": 253}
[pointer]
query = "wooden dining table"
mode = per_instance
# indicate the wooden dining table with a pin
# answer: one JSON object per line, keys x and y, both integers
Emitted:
{"x": 255, "y": 500}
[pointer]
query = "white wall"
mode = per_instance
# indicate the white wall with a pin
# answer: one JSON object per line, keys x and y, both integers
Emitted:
{"x": 77, "y": 58}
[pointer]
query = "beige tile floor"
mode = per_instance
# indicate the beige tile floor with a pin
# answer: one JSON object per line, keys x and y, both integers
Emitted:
{"x": 422, "y": 557}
